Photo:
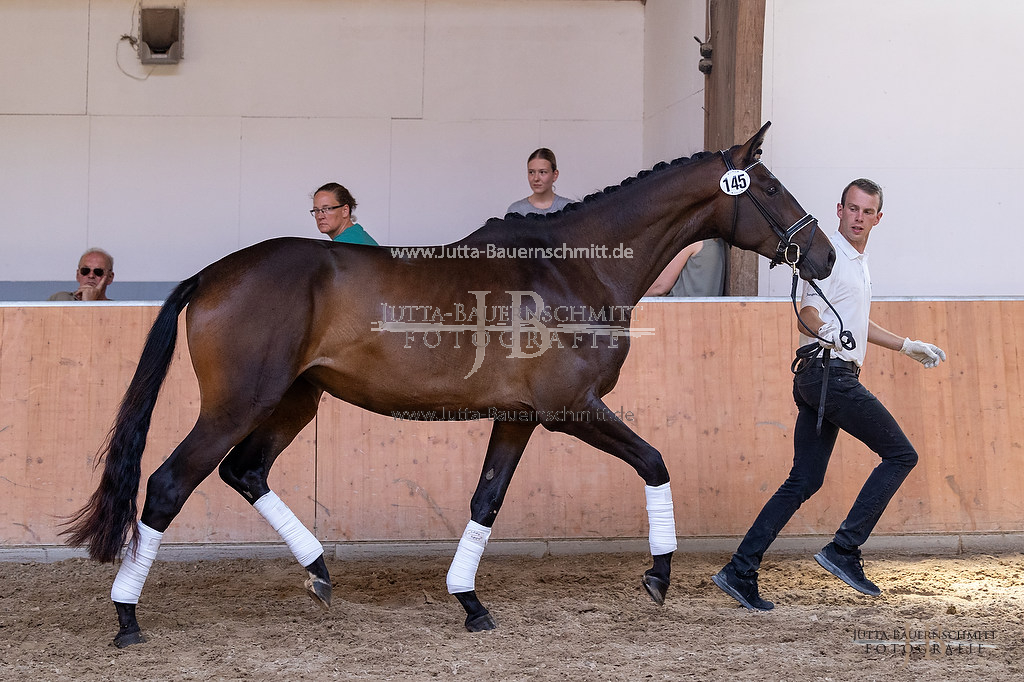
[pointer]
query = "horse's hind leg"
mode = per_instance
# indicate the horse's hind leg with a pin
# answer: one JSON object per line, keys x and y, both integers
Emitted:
{"x": 607, "y": 432}
{"x": 508, "y": 440}
{"x": 166, "y": 491}
{"x": 247, "y": 467}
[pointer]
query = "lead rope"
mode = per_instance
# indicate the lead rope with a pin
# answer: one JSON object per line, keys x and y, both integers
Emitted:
{"x": 810, "y": 352}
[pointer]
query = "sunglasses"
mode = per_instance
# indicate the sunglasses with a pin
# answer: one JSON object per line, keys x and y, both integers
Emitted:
{"x": 84, "y": 272}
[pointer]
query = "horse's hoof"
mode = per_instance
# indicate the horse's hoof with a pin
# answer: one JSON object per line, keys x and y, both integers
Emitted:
{"x": 319, "y": 590}
{"x": 656, "y": 587}
{"x": 127, "y": 637}
{"x": 480, "y": 622}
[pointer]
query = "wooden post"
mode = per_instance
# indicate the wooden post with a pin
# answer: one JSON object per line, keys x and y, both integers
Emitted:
{"x": 732, "y": 101}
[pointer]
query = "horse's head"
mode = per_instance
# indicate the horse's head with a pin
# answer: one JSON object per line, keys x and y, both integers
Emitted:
{"x": 768, "y": 219}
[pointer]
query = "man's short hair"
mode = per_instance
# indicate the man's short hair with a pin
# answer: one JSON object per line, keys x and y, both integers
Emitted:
{"x": 110, "y": 259}
{"x": 863, "y": 184}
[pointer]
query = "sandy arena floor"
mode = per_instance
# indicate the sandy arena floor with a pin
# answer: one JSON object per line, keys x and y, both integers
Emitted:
{"x": 560, "y": 617}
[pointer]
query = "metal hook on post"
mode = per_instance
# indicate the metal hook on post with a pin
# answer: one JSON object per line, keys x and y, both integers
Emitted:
{"x": 704, "y": 65}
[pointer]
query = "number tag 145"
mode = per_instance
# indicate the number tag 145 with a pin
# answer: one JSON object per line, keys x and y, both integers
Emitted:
{"x": 735, "y": 182}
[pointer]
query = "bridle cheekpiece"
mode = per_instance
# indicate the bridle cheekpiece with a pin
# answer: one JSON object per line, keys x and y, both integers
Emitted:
{"x": 788, "y": 251}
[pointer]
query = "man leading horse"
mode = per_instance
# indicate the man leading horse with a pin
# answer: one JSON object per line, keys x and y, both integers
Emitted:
{"x": 830, "y": 398}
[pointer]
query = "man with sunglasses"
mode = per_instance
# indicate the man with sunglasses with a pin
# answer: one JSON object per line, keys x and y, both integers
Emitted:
{"x": 95, "y": 273}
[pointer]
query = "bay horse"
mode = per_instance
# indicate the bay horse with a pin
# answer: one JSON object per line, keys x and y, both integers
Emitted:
{"x": 273, "y": 326}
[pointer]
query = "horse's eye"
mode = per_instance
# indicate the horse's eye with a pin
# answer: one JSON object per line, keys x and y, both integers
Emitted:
{"x": 771, "y": 191}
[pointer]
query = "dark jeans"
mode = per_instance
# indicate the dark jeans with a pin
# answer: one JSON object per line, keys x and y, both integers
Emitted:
{"x": 850, "y": 407}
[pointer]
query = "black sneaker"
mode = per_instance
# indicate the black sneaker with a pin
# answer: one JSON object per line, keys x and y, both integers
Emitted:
{"x": 847, "y": 567}
{"x": 741, "y": 588}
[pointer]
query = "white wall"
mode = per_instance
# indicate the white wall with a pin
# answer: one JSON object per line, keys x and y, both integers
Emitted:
{"x": 425, "y": 109}
{"x": 925, "y": 98}
{"x": 673, "y": 87}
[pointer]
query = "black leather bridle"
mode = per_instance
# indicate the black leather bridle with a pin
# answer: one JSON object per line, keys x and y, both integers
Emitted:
{"x": 788, "y": 252}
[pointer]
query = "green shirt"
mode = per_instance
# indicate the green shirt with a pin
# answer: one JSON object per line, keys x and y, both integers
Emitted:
{"x": 355, "y": 235}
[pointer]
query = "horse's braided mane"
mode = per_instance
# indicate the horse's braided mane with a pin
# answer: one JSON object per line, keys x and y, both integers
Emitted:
{"x": 659, "y": 167}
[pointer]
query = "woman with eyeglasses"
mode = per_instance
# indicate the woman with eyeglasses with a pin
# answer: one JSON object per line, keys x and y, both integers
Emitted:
{"x": 334, "y": 212}
{"x": 95, "y": 272}
{"x": 541, "y": 173}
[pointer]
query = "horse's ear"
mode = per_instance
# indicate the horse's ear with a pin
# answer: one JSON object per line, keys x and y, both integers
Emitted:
{"x": 752, "y": 149}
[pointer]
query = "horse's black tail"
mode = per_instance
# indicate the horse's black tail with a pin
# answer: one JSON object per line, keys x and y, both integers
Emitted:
{"x": 104, "y": 522}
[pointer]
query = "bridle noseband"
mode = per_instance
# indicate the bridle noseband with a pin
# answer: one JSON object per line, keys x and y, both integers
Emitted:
{"x": 788, "y": 252}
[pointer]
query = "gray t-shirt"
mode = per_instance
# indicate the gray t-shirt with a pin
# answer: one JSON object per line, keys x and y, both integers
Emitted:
{"x": 524, "y": 206}
{"x": 704, "y": 272}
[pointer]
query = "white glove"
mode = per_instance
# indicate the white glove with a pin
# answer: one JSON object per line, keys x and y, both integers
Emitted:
{"x": 927, "y": 354}
{"x": 829, "y": 336}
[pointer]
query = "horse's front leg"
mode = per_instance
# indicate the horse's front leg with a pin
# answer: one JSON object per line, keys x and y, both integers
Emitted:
{"x": 508, "y": 440}
{"x": 605, "y": 431}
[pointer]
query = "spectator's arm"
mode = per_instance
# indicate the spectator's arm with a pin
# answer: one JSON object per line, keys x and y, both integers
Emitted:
{"x": 667, "y": 279}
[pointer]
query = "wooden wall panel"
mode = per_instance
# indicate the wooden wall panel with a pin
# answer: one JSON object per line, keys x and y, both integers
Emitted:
{"x": 711, "y": 389}
{"x": 63, "y": 371}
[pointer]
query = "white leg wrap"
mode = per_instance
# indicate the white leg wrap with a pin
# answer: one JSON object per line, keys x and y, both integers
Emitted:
{"x": 661, "y": 519}
{"x": 303, "y": 544}
{"x": 462, "y": 574}
{"x": 135, "y": 566}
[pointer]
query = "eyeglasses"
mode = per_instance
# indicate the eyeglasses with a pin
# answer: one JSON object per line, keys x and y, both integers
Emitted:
{"x": 325, "y": 209}
{"x": 84, "y": 272}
